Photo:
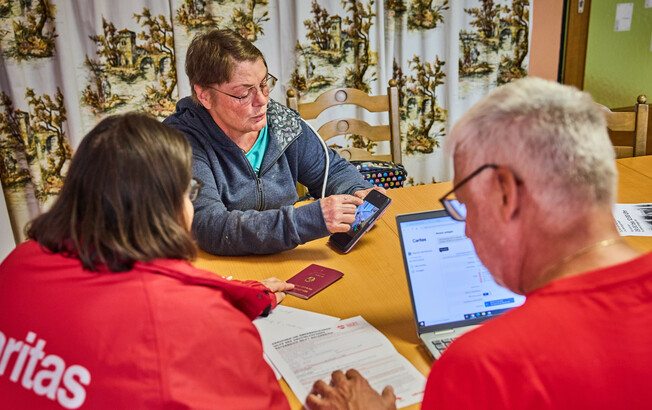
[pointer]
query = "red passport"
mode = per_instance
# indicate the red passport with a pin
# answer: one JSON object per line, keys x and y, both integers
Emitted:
{"x": 311, "y": 280}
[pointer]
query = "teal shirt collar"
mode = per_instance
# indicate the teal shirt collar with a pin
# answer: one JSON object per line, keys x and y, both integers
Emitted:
{"x": 257, "y": 152}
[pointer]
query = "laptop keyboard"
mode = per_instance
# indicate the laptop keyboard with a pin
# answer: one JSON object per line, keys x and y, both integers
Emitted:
{"x": 442, "y": 344}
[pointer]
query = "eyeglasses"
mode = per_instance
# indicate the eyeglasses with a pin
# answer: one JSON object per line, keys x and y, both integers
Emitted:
{"x": 454, "y": 208}
{"x": 266, "y": 86}
{"x": 195, "y": 187}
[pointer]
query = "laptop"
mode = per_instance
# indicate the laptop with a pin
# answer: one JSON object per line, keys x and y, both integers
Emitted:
{"x": 451, "y": 291}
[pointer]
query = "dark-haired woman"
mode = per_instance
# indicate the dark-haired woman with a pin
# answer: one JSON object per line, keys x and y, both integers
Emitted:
{"x": 100, "y": 308}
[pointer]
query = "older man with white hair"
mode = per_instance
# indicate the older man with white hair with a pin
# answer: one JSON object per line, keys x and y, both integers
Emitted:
{"x": 535, "y": 169}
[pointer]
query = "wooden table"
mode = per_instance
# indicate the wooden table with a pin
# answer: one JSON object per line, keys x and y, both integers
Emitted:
{"x": 374, "y": 284}
{"x": 642, "y": 165}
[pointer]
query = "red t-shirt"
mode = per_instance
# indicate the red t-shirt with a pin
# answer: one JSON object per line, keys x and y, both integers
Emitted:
{"x": 583, "y": 342}
{"x": 163, "y": 334}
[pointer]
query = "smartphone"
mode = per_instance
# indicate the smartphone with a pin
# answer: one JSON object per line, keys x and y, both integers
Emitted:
{"x": 371, "y": 209}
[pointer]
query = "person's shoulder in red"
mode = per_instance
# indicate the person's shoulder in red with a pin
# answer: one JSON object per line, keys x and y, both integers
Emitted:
{"x": 138, "y": 338}
{"x": 213, "y": 342}
{"x": 536, "y": 355}
{"x": 473, "y": 368}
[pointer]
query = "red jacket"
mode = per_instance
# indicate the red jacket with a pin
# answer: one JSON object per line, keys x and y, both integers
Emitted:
{"x": 164, "y": 334}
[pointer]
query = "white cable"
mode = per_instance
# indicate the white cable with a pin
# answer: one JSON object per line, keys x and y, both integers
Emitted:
{"x": 328, "y": 159}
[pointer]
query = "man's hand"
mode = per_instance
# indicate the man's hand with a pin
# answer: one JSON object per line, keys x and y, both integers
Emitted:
{"x": 349, "y": 392}
{"x": 363, "y": 192}
{"x": 277, "y": 286}
{"x": 339, "y": 211}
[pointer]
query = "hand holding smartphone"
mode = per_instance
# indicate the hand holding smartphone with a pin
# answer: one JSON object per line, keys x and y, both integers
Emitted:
{"x": 371, "y": 209}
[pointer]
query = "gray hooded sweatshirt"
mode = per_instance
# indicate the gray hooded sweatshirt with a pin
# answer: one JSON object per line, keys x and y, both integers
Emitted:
{"x": 238, "y": 212}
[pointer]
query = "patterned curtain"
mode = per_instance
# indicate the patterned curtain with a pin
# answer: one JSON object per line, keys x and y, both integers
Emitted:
{"x": 67, "y": 64}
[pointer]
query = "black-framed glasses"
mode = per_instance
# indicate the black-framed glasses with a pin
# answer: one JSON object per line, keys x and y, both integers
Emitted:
{"x": 454, "y": 208}
{"x": 195, "y": 187}
{"x": 265, "y": 87}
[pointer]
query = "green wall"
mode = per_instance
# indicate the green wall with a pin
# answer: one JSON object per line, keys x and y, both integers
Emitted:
{"x": 618, "y": 64}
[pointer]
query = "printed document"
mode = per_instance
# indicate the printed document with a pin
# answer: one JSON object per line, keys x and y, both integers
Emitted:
{"x": 305, "y": 357}
{"x": 285, "y": 320}
{"x": 633, "y": 219}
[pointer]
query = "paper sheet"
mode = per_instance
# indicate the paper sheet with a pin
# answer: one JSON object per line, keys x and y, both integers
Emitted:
{"x": 285, "y": 320}
{"x": 305, "y": 357}
{"x": 624, "y": 16}
{"x": 633, "y": 219}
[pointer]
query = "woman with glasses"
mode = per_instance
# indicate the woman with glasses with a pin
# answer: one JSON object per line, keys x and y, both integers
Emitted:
{"x": 251, "y": 151}
{"x": 101, "y": 308}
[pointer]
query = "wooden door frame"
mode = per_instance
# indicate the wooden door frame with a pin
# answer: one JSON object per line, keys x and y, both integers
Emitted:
{"x": 574, "y": 43}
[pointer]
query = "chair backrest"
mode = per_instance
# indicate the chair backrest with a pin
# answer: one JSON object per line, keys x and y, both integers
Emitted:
{"x": 347, "y": 126}
{"x": 628, "y": 130}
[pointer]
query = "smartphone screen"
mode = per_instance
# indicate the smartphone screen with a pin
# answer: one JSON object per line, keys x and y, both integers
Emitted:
{"x": 362, "y": 214}
{"x": 366, "y": 214}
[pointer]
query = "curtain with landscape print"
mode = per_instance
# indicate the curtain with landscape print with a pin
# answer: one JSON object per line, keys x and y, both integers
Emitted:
{"x": 67, "y": 64}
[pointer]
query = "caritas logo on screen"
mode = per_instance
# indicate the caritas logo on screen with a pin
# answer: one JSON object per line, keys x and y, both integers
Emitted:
{"x": 27, "y": 364}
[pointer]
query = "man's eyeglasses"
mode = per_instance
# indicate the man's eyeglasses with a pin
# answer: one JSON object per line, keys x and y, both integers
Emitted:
{"x": 454, "y": 208}
{"x": 266, "y": 86}
{"x": 195, "y": 187}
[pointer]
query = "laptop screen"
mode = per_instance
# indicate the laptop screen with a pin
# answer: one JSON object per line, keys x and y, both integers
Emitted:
{"x": 449, "y": 286}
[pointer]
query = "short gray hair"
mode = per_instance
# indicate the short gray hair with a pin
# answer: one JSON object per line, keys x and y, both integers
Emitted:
{"x": 552, "y": 136}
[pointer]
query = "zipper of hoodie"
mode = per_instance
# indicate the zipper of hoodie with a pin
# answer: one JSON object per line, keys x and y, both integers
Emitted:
{"x": 259, "y": 182}
{"x": 260, "y": 193}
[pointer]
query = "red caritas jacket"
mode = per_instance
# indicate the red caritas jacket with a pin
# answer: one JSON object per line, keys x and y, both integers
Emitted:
{"x": 164, "y": 334}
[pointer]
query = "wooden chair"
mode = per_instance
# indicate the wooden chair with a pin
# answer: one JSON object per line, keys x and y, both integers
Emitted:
{"x": 378, "y": 103}
{"x": 628, "y": 129}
